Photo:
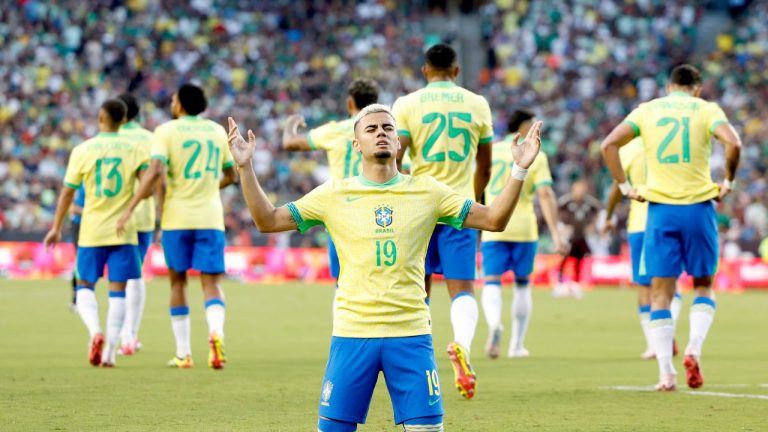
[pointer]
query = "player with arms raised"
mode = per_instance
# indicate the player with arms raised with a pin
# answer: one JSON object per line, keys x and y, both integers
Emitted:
{"x": 681, "y": 230}
{"x": 381, "y": 221}
{"x": 335, "y": 138}
{"x": 108, "y": 166}
{"x": 447, "y": 132}
{"x": 515, "y": 248}
{"x": 193, "y": 152}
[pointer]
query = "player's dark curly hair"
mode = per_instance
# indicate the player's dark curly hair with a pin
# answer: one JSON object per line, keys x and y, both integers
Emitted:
{"x": 115, "y": 109}
{"x": 192, "y": 99}
{"x": 518, "y": 118}
{"x": 685, "y": 75}
{"x": 131, "y": 103}
{"x": 441, "y": 57}
{"x": 364, "y": 92}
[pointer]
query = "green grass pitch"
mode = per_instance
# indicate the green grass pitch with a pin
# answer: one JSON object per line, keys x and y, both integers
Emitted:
{"x": 277, "y": 341}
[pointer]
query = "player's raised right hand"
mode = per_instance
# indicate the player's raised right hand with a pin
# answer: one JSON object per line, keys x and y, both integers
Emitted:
{"x": 242, "y": 150}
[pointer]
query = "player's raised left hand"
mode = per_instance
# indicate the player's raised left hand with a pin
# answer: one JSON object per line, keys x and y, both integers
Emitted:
{"x": 242, "y": 150}
{"x": 525, "y": 153}
{"x": 52, "y": 238}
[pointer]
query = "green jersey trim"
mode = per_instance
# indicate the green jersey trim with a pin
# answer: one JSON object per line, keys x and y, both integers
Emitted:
{"x": 310, "y": 141}
{"x": 190, "y": 117}
{"x": 227, "y": 164}
{"x": 161, "y": 158}
{"x": 108, "y": 134}
{"x": 403, "y": 132}
{"x": 301, "y": 224}
{"x": 143, "y": 166}
{"x": 441, "y": 84}
{"x": 71, "y": 185}
{"x": 542, "y": 183}
{"x": 130, "y": 125}
{"x": 716, "y": 124}
{"x": 634, "y": 126}
{"x": 486, "y": 140}
{"x": 458, "y": 221}
{"x": 391, "y": 182}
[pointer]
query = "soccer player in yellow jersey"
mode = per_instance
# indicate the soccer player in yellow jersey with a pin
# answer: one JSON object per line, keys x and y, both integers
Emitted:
{"x": 681, "y": 230}
{"x": 108, "y": 166}
{"x": 144, "y": 217}
{"x": 382, "y": 221}
{"x": 447, "y": 131}
{"x": 335, "y": 138}
{"x": 515, "y": 248}
{"x": 632, "y": 158}
{"x": 193, "y": 152}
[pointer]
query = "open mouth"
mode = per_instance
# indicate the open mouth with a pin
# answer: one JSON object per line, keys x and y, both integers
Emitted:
{"x": 382, "y": 143}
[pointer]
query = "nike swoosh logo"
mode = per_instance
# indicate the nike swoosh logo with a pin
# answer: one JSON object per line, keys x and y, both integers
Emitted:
{"x": 432, "y": 402}
{"x": 351, "y": 199}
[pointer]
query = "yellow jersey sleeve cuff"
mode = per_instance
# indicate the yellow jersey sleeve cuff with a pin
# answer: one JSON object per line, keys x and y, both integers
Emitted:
{"x": 716, "y": 124}
{"x": 634, "y": 126}
{"x": 486, "y": 140}
{"x": 301, "y": 224}
{"x": 542, "y": 183}
{"x": 458, "y": 221}
{"x": 161, "y": 158}
{"x": 71, "y": 185}
{"x": 403, "y": 132}
{"x": 227, "y": 164}
{"x": 310, "y": 141}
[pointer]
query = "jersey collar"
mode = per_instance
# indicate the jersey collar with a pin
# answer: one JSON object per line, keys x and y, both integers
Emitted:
{"x": 680, "y": 93}
{"x": 391, "y": 182}
{"x": 130, "y": 125}
{"x": 189, "y": 117}
{"x": 108, "y": 134}
{"x": 441, "y": 84}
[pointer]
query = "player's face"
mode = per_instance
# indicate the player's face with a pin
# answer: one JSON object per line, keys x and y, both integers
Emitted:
{"x": 376, "y": 136}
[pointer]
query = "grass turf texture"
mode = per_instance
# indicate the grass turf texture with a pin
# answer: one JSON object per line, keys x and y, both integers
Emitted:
{"x": 277, "y": 341}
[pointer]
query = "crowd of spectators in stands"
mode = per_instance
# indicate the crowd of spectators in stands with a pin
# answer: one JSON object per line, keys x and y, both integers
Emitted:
{"x": 581, "y": 64}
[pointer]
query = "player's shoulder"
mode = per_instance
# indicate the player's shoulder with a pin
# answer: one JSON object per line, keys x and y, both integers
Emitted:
{"x": 424, "y": 181}
{"x": 166, "y": 126}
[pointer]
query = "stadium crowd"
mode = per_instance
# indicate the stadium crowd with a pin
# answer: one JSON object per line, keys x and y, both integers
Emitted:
{"x": 582, "y": 65}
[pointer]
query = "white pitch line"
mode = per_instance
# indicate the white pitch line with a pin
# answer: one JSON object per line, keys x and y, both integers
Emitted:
{"x": 699, "y": 393}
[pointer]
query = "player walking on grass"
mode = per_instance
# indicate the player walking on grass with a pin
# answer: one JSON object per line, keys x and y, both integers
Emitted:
{"x": 193, "y": 152}
{"x": 335, "y": 138}
{"x": 108, "y": 166}
{"x": 632, "y": 158}
{"x": 515, "y": 248}
{"x": 144, "y": 217}
{"x": 381, "y": 220}
{"x": 447, "y": 133}
{"x": 681, "y": 231}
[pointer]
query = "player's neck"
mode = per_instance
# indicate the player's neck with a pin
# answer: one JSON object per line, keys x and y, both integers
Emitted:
{"x": 439, "y": 78}
{"x": 380, "y": 173}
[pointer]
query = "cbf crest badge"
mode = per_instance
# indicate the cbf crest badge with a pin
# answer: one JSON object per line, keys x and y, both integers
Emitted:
{"x": 326, "y": 395}
{"x": 383, "y": 216}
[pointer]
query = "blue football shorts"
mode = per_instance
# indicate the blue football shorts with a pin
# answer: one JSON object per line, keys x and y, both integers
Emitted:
{"x": 452, "y": 253}
{"x": 199, "y": 249}
{"x": 500, "y": 256}
{"x": 635, "y": 240}
{"x": 145, "y": 239}
{"x": 122, "y": 261}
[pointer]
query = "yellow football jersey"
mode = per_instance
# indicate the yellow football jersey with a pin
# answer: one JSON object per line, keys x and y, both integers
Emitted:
{"x": 107, "y": 165}
{"x": 523, "y": 226}
{"x": 336, "y": 139}
{"x": 446, "y": 123}
{"x": 381, "y": 232}
{"x": 144, "y": 215}
{"x": 632, "y": 158}
{"x": 195, "y": 150}
{"x": 676, "y": 132}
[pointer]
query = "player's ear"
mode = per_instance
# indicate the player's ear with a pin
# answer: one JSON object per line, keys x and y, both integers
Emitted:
{"x": 356, "y": 145}
{"x": 424, "y": 71}
{"x": 697, "y": 91}
{"x": 456, "y": 71}
{"x": 351, "y": 104}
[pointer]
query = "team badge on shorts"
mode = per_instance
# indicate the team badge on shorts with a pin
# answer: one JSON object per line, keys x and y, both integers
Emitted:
{"x": 327, "y": 389}
{"x": 383, "y": 216}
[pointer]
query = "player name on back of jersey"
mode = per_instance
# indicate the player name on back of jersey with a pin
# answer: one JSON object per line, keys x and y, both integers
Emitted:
{"x": 445, "y": 96}
{"x": 196, "y": 127}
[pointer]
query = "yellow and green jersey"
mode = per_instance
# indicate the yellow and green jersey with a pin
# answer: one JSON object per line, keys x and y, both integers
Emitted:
{"x": 676, "y": 132}
{"x": 107, "y": 165}
{"x": 381, "y": 232}
{"x": 195, "y": 150}
{"x": 632, "y": 158}
{"x": 445, "y": 123}
{"x": 144, "y": 214}
{"x": 336, "y": 139}
{"x": 522, "y": 226}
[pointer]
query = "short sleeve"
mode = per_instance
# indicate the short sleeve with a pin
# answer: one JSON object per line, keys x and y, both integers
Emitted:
{"x": 541, "y": 174}
{"x": 452, "y": 208}
{"x": 715, "y": 117}
{"x": 401, "y": 117}
{"x": 227, "y": 161}
{"x": 318, "y": 137}
{"x": 309, "y": 210}
{"x": 160, "y": 145}
{"x": 634, "y": 118}
{"x": 74, "y": 175}
{"x": 485, "y": 123}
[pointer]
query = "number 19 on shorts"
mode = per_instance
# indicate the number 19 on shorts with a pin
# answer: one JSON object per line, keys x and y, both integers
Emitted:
{"x": 433, "y": 383}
